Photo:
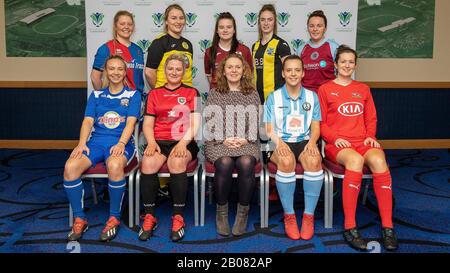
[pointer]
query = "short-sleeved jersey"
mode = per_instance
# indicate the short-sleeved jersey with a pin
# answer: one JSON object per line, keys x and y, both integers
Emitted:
{"x": 164, "y": 46}
{"x": 291, "y": 119}
{"x": 267, "y": 65}
{"x": 220, "y": 56}
{"x": 132, "y": 55}
{"x": 110, "y": 111}
{"x": 348, "y": 112}
{"x": 171, "y": 109}
{"x": 318, "y": 63}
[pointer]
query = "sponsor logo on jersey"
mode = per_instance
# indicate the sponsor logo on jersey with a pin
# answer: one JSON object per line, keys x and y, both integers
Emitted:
{"x": 306, "y": 106}
{"x": 356, "y": 95}
{"x": 181, "y": 100}
{"x": 314, "y": 55}
{"x": 351, "y": 109}
{"x": 144, "y": 44}
{"x": 191, "y": 19}
{"x": 295, "y": 122}
{"x": 158, "y": 19}
{"x": 252, "y": 19}
{"x": 283, "y": 18}
{"x": 119, "y": 51}
{"x": 344, "y": 18}
{"x": 111, "y": 120}
{"x": 323, "y": 63}
{"x": 185, "y": 45}
{"x": 204, "y": 44}
{"x": 124, "y": 102}
{"x": 171, "y": 114}
{"x": 97, "y": 18}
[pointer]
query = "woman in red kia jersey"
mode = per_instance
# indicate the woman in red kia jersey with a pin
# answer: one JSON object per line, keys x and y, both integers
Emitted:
{"x": 224, "y": 42}
{"x": 348, "y": 126}
{"x": 170, "y": 124}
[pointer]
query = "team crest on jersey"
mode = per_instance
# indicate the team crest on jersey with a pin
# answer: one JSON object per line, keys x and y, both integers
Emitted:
{"x": 270, "y": 51}
{"x": 306, "y": 106}
{"x": 124, "y": 102}
{"x": 181, "y": 100}
{"x": 314, "y": 55}
{"x": 356, "y": 95}
{"x": 185, "y": 45}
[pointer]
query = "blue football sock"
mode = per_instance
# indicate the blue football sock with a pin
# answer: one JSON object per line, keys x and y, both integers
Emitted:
{"x": 312, "y": 184}
{"x": 116, "y": 194}
{"x": 75, "y": 194}
{"x": 286, "y": 188}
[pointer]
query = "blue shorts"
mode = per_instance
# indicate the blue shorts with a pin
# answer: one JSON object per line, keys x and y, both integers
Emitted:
{"x": 100, "y": 149}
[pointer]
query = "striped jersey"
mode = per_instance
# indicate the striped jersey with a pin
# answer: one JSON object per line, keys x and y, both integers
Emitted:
{"x": 164, "y": 46}
{"x": 110, "y": 111}
{"x": 291, "y": 119}
{"x": 133, "y": 57}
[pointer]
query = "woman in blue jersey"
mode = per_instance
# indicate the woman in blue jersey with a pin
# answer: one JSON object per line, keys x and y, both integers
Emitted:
{"x": 112, "y": 113}
{"x": 318, "y": 53}
{"x": 121, "y": 45}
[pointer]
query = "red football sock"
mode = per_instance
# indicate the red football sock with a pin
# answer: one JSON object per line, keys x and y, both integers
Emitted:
{"x": 382, "y": 185}
{"x": 350, "y": 191}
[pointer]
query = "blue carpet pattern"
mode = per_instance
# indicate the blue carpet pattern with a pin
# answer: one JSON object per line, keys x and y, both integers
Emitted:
{"x": 34, "y": 213}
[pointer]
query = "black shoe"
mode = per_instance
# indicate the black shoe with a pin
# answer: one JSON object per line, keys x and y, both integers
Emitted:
{"x": 177, "y": 228}
{"x": 150, "y": 224}
{"x": 354, "y": 240}
{"x": 389, "y": 239}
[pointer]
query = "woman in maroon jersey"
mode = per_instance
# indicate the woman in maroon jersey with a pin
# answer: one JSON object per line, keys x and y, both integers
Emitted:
{"x": 170, "y": 125}
{"x": 349, "y": 122}
{"x": 224, "y": 43}
{"x": 318, "y": 53}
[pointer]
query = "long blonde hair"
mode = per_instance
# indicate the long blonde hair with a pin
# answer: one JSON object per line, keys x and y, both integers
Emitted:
{"x": 246, "y": 81}
{"x": 105, "y": 80}
{"x": 168, "y": 9}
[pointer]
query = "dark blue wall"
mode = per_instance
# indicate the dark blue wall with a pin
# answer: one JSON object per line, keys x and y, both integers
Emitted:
{"x": 57, "y": 113}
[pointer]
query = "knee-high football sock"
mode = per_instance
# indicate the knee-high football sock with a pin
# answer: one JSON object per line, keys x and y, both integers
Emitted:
{"x": 116, "y": 193}
{"x": 350, "y": 191}
{"x": 312, "y": 184}
{"x": 149, "y": 189}
{"x": 382, "y": 185}
{"x": 286, "y": 188}
{"x": 178, "y": 187}
{"x": 75, "y": 194}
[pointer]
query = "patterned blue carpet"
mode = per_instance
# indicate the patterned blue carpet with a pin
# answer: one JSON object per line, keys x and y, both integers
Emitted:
{"x": 34, "y": 213}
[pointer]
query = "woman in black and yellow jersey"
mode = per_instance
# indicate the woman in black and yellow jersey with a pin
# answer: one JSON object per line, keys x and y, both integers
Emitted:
{"x": 268, "y": 53}
{"x": 166, "y": 44}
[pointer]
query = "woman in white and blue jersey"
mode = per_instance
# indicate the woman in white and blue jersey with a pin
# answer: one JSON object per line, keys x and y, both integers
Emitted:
{"x": 105, "y": 136}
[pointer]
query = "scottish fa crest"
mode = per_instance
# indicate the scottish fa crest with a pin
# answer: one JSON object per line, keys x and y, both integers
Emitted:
{"x": 344, "y": 18}
{"x": 191, "y": 18}
{"x": 204, "y": 44}
{"x": 297, "y": 44}
{"x": 252, "y": 19}
{"x": 283, "y": 18}
{"x": 144, "y": 44}
{"x": 158, "y": 19}
{"x": 97, "y": 19}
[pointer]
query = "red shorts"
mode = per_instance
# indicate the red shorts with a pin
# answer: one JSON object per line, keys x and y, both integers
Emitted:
{"x": 331, "y": 151}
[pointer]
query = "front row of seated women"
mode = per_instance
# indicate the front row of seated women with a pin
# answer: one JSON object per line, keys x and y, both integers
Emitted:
{"x": 342, "y": 112}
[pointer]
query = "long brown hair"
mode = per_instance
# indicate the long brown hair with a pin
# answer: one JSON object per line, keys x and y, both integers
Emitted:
{"x": 246, "y": 81}
{"x": 271, "y": 8}
{"x": 216, "y": 38}
{"x": 168, "y": 9}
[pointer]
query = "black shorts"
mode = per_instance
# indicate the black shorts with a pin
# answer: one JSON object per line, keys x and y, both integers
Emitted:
{"x": 296, "y": 148}
{"x": 166, "y": 147}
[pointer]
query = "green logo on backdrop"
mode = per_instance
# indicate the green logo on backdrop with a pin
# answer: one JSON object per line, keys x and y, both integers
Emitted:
{"x": 158, "y": 19}
{"x": 144, "y": 44}
{"x": 97, "y": 19}
{"x": 191, "y": 18}
{"x": 283, "y": 18}
{"x": 297, "y": 44}
{"x": 194, "y": 72}
{"x": 252, "y": 19}
{"x": 344, "y": 18}
{"x": 204, "y": 44}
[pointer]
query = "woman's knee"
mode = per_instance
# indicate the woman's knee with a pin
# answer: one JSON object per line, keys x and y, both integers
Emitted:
{"x": 115, "y": 168}
{"x": 286, "y": 163}
{"x": 312, "y": 163}
{"x": 72, "y": 170}
{"x": 150, "y": 165}
{"x": 176, "y": 164}
{"x": 377, "y": 163}
{"x": 354, "y": 162}
{"x": 246, "y": 161}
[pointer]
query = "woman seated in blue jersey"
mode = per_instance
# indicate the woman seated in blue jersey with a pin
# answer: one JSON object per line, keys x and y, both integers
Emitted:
{"x": 112, "y": 113}
{"x": 170, "y": 125}
{"x": 236, "y": 143}
{"x": 292, "y": 118}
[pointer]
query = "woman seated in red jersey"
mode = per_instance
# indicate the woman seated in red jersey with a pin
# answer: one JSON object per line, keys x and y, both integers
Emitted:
{"x": 224, "y": 42}
{"x": 349, "y": 123}
{"x": 170, "y": 125}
